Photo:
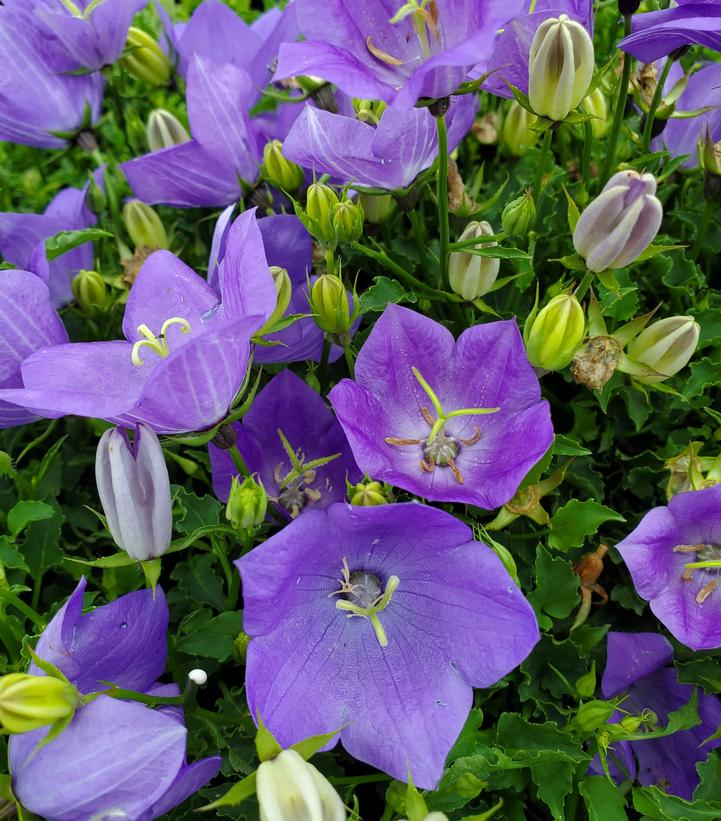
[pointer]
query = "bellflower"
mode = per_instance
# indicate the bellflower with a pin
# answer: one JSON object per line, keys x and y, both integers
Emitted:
{"x": 674, "y": 556}
{"x": 116, "y": 758}
{"x": 286, "y": 432}
{"x": 22, "y": 237}
{"x": 38, "y": 105}
{"x": 27, "y": 322}
{"x": 379, "y": 621}
{"x": 638, "y": 666}
{"x": 387, "y": 50}
{"x": 391, "y": 155}
{"x": 450, "y": 421}
{"x": 656, "y": 34}
{"x": 185, "y": 350}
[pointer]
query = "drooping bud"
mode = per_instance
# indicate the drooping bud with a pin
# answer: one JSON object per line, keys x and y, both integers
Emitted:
{"x": 247, "y": 503}
{"x": 376, "y": 207}
{"x": 517, "y": 133}
{"x": 89, "y": 291}
{"x": 560, "y": 67}
{"x": 144, "y": 225}
{"x": 519, "y": 216}
{"x": 662, "y": 349}
{"x": 144, "y": 59}
{"x": 620, "y": 223}
{"x": 321, "y": 199}
{"x": 556, "y": 333}
{"x": 348, "y": 221}
{"x": 28, "y": 702}
{"x": 134, "y": 490}
{"x": 165, "y": 130}
{"x": 597, "y": 105}
{"x": 329, "y": 302}
{"x": 290, "y": 788}
{"x": 283, "y": 290}
{"x": 470, "y": 275}
{"x": 278, "y": 170}
{"x": 368, "y": 494}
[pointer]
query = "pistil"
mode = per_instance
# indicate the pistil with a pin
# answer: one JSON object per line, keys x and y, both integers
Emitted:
{"x": 365, "y": 599}
{"x": 158, "y": 344}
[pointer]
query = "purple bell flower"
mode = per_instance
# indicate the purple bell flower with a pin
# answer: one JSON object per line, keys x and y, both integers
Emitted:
{"x": 390, "y": 156}
{"x": 28, "y": 322}
{"x": 450, "y": 421}
{"x": 289, "y": 416}
{"x": 116, "y": 758}
{"x": 674, "y": 557}
{"x": 638, "y": 666}
{"x": 379, "y": 621}
{"x": 185, "y": 350}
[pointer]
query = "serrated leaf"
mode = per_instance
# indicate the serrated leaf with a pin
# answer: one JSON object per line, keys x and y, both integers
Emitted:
{"x": 565, "y": 446}
{"x": 65, "y": 241}
{"x": 214, "y": 639}
{"x": 556, "y": 591}
{"x": 604, "y": 801}
{"x": 572, "y": 523}
{"x": 383, "y": 292}
{"x": 25, "y": 512}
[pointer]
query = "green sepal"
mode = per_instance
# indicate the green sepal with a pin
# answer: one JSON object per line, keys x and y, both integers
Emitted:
{"x": 416, "y": 807}
{"x": 266, "y": 744}
{"x": 573, "y": 214}
{"x": 151, "y": 571}
{"x": 235, "y": 795}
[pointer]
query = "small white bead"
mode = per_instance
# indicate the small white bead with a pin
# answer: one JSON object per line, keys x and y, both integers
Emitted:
{"x": 198, "y": 677}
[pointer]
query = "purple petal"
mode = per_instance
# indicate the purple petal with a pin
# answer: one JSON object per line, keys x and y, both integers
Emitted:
{"x": 188, "y": 781}
{"x": 630, "y": 657}
{"x": 656, "y": 34}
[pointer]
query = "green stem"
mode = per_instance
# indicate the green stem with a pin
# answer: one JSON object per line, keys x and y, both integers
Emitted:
{"x": 586, "y": 158}
{"x": 324, "y": 357}
{"x": 653, "y": 108}
{"x": 230, "y": 599}
{"x": 702, "y": 229}
{"x": 419, "y": 233}
{"x": 9, "y": 640}
{"x": 462, "y": 244}
{"x": 238, "y": 461}
{"x": 43, "y": 436}
{"x": 542, "y": 163}
{"x": 25, "y": 609}
{"x": 582, "y": 289}
{"x": 442, "y": 196}
{"x": 620, "y": 109}
{"x": 132, "y": 695}
{"x": 350, "y": 362}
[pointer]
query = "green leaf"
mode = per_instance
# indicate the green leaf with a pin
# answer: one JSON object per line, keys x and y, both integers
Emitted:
{"x": 556, "y": 592}
{"x": 197, "y": 578}
{"x": 653, "y": 803}
{"x": 604, "y": 801}
{"x": 65, "y": 241}
{"x": 195, "y": 511}
{"x": 383, "y": 292}
{"x": 235, "y": 795}
{"x": 565, "y": 446}
{"x": 573, "y": 213}
{"x": 528, "y": 743}
{"x": 10, "y": 556}
{"x": 554, "y": 780}
{"x": 498, "y": 252}
{"x": 212, "y": 638}
{"x": 574, "y": 521}
{"x": 709, "y": 788}
{"x": 23, "y": 513}
{"x": 42, "y": 544}
{"x": 573, "y": 262}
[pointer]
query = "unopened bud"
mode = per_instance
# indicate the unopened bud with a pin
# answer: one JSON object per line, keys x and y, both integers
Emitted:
{"x": 709, "y": 158}
{"x": 627, "y": 7}
{"x": 586, "y": 684}
{"x": 620, "y": 223}
{"x": 368, "y": 494}
{"x": 165, "y": 130}
{"x": 597, "y": 105}
{"x": 519, "y": 216}
{"x": 348, "y": 221}
{"x": 376, "y": 208}
{"x": 247, "y": 503}
{"x": 517, "y": 134}
{"x": 144, "y": 225}
{"x": 321, "y": 200}
{"x": 471, "y": 276}
{"x": 283, "y": 290}
{"x": 556, "y": 333}
{"x": 592, "y": 715}
{"x": 329, "y": 302}
{"x": 662, "y": 349}
{"x": 28, "y": 702}
{"x": 278, "y": 170}
{"x": 6, "y": 463}
{"x": 560, "y": 68}
{"x": 144, "y": 59}
{"x": 97, "y": 200}
{"x": 89, "y": 291}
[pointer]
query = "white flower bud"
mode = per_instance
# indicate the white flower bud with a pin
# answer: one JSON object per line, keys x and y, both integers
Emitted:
{"x": 620, "y": 223}
{"x": 472, "y": 276}
{"x": 665, "y": 346}
{"x": 165, "y": 130}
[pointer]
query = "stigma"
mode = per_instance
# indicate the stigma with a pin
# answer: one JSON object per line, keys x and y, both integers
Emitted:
{"x": 157, "y": 344}
{"x": 362, "y": 595}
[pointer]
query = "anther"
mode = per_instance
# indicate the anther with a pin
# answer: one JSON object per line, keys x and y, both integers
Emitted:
{"x": 473, "y": 439}
{"x": 456, "y": 473}
{"x": 706, "y": 591}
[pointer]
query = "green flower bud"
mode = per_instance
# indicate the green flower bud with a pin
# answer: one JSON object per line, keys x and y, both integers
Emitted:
{"x": 709, "y": 158}
{"x": 556, "y": 333}
{"x": 240, "y": 647}
{"x": 279, "y": 171}
{"x": 31, "y": 180}
{"x": 320, "y": 201}
{"x": 329, "y": 302}
{"x": 348, "y": 221}
{"x": 586, "y": 684}
{"x": 368, "y": 494}
{"x": 516, "y": 134}
{"x": 376, "y": 208}
{"x": 97, "y": 200}
{"x": 592, "y": 715}
{"x": 89, "y": 291}
{"x": 662, "y": 349}
{"x": 144, "y": 58}
{"x": 519, "y": 216}
{"x": 471, "y": 276}
{"x": 144, "y": 225}
{"x": 6, "y": 463}
{"x": 597, "y": 105}
{"x": 247, "y": 503}
{"x": 283, "y": 290}
{"x": 369, "y": 111}
{"x": 28, "y": 702}
{"x": 165, "y": 130}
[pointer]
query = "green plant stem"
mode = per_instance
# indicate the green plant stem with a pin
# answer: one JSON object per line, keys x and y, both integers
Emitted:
{"x": 350, "y": 362}
{"x": 419, "y": 233}
{"x": 27, "y": 611}
{"x": 582, "y": 289}
{"x": 219, "y": 550}
{"x": 542, "y": 163}
{"x": 586, "y": 157}
{"x": 708, "y": 211}
{"x": 43, "y": 436}
{"x": 619, "y": 110}
{"x": 653, "y": 108}
{"x": 238, "y": 461}
{"x": 7, "y": 638}
{"x": 325, "y": 355}
{"x": 462, "y": 244}
{"x": 442, "y": 197}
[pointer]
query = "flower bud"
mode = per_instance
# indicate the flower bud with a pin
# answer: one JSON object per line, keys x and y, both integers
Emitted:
{"x": 664, "y": 347}
{"x": 620, "y": 223}
{"x": 368, "y": 494}
{"x": 519, "y": 216}
{"x": 709, "y": 158}
{"x": 376, "y": 207}
{"x": 348, "y": 221}
{"x": 97, "y": 199}
{"x": 290, "y": 788}
{"x": 597, "y": 105}
{"x": 144, "y": 59}
{"x": 278, "y": 170}
{"x": 165, "y": 130}
{"x": 369, "y": 111}
{"x": 627, "y": 7}
{"x": 472, "y": 276}
{"x": 320, "y": 201}
{"x": 283, "y": 290}
{"x": 6, "y": 463}
{"x": 556, "y": 333}
{"x": 560, "y": 67}
{"x": 592, "y": 715}
{"x": 586, "y": 684}
{"x": 144, "y": 225}
{"x": 134, "y": 491}
{"x": 89, "y": 291}
{"x": 329, "y": 302}
{"x": 517, "y": 134}
{"x": 247, "y": 503}
{"x": 28, "y": 702}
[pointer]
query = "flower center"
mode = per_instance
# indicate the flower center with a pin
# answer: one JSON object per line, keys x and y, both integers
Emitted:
{"x": 708, "y": 559}
{"x": 158, "y": 344}
{"x": 361, "y": 595}
{"x": 440, "y": 449}
{"x": 424, "y": 19}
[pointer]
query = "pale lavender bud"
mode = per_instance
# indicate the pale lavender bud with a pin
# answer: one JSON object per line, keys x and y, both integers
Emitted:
{"x": 471, "y": 276}
{"x": 134, "y": 491}
{"x": 664, "y": 347}
{"x": 620, "y": 223}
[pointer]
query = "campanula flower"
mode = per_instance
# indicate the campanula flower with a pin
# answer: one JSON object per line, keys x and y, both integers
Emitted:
{"x": 378, "y": 622}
